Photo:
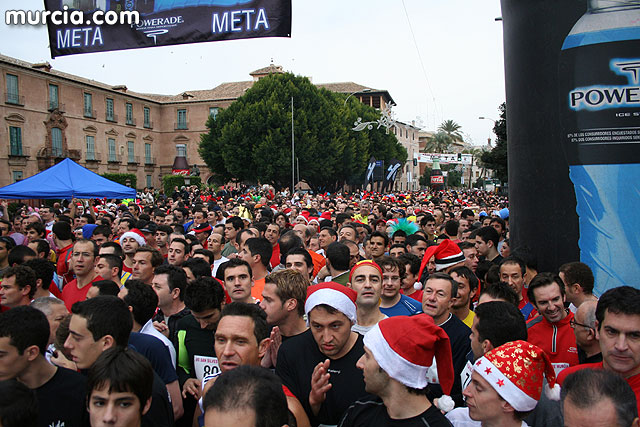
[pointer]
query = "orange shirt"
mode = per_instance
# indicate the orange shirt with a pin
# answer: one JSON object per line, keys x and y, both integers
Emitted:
{"x": 258, "y": 287}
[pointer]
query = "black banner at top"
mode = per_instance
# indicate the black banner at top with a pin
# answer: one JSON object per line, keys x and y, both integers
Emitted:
{"x": 82, "y": 26}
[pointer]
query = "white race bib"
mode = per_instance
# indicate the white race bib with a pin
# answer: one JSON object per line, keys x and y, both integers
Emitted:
{"x": 205, "y": 366}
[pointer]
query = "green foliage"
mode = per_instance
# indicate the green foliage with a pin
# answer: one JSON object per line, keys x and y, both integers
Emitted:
{"x": 453, "y": 179}
{"x": 496, "y": 159}
{"x": 169, "y": 182}
{"x": 251, "y": 140}
{"x": 121, "y": 178}
{"x": 452, "y": 129}
{"x": 439, "y": 143}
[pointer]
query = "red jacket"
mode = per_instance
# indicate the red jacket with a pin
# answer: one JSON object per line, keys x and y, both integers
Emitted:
{"x": 556, "y": 339}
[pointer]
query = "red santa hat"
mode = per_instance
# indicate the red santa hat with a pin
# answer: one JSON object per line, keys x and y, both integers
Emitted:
{"x": 306, "y": 220}
{"x": 326, "y": 215}
{"x": 447, "y": 255}
{"x": 516, "y": 371}
{"x": 134, "y": 234}
{"x": 334, "y": 295}
{"x": 406, "y": 357}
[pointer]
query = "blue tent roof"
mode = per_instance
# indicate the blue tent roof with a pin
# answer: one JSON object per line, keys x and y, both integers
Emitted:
{"x": 66, "y": 180}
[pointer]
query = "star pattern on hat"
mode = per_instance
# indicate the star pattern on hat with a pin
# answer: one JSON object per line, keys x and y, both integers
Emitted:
{"x": 500, "y": 383}
{"x": 488, "y": 370}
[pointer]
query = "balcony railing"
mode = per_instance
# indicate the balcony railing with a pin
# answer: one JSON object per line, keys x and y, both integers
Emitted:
{"x": 53, "y": 105}
{"x": 90, "y": 114}
{"x": 114, "y": 158}
{"x": 18, "y": 151}
{"x": 131, "y": 121}
{"x": 133, "y": 160}
{"x": 92, "y": 156}
{"x": 14, "y": 98}
{"x": 58, "y": 153}
{"x": 149, "y": 161}
{"x": 148, "y": 124}
{"x": 181, "y": 125}
{"x": 111, "y": 118}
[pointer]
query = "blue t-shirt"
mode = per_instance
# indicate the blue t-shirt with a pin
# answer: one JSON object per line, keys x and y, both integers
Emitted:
{"x": 405, "y": 307}
{"x": 157, "y": 354}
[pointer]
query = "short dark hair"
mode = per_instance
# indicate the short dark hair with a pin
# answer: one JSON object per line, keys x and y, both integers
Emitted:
{"x": 515, "y": 260}
{"x": 198, "y": 266}
{"x": 379, "y": 234}
{"x": 259, "y": 317}
{"x": 500, "y": 322}
{"x": 106, "y": 315}
{"x": 488, "y": 234}
{"x": 467, "y": 213}
{"x": 501, "y": 290}
{"x": 187, "y": 246}
{"x": 287, "y": 241}
{"x": 103, "y": 230}
{"x": 578, "y": 272}
{"x": 451, "y": 227}
{"x": 620, "y": 300}
{"x": 106, "y": 287}
{"x": 38, "y": 227}
{"x": 413, "y": 239}
{"x": 232, "y": 263}
{"x": 585, "y": 388}
{"x": 236, "y": 222}
{"x": 24, "y": 275}
{"x": 117, "y": 249}
{"x": 260, "y": 246}
{"x": 42, "y": 246}
{"x": 466, "y": 272}
{"x": 18, "y": 405}
{"x": 93, "y": 244}
{"x": 301, "y": 251}
{"x": 290, "y": 284}
{"x": 543, "y": 279}
{"x": 25, "y": 326}
{"x": 176, "y": 277}
{"x": 18, "y": 254}
{"x": 250, "y": 388}
{"x": 43, "y": 270}
{"x": 156, "y": 256}
{"x": 62, "y": 230}
{"x": 412, "y": 261}
{"x": 142, "y": 299}
{"x": 204, "y": 293}
{"x": 338, "y": 255}
{"x": 113, "y": 261}
{"x": 207, "y": 253}
{"x": 123, "y": 370}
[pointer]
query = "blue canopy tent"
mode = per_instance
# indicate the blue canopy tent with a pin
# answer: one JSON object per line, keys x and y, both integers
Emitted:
{"x": 66, "y": 180}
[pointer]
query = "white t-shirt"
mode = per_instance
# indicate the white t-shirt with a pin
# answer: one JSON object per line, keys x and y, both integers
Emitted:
{"x": 148, "y": 329}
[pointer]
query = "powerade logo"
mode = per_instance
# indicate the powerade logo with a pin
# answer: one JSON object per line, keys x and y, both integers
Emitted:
{"x": 600, "y": 97}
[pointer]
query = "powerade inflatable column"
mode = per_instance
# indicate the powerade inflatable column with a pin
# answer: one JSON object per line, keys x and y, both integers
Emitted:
{"x": 600, "y": 114}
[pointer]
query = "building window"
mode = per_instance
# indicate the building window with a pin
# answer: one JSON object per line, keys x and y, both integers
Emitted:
{"x": 56, "y": 142}
{"x": 147, "y": 117}
{"x": 213, "y": 112}
{"x": 88, "y": 105}
{"x": 111, "y": 144}
{"x": 182, "y": 150}
{"x": 182, "y": 119}
{"x": 149, "y": 181}
{"x": 110, "y": 116}
{"x": 13, "y": 95}
{"x": 147, "y": 153}
{"x": 91, "y": 147}
{"x": 53, "y": 97}
{"x": 130, "y": 152}
{"x": 17, "y": 176}
{"x": 15, "y": 139}
{"x": 129, "y": 108}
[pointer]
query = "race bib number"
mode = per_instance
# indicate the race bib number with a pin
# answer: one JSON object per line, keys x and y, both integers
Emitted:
{"x": 205, "y": 366}
{"x": 559, "y": 367}
{"x": 465, "y": 376}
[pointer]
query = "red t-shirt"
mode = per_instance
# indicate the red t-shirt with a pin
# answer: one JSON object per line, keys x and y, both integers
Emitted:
{"x": 318, "y": 261}
{"x": 556, "y": 339}
{"x": 126, "y": 269}
{"x": 417, "y": 295}
{"x": 275, "y": 256}
{"x": 633, "y": 381}
{"x": 71, "y": 294}
{"x": 62, "y": 265}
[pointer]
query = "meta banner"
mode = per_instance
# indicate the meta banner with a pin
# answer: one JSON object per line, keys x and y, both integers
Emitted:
{"x": 391, "y": 173}
{"x": 83, "y": 26}
{"x": 369, "y": 172}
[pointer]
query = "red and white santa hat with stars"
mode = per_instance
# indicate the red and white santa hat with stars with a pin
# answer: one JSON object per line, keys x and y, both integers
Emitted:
{"x": 405, "y": 346}
{"x": 136, "y": 235}
{"x": 516, "y": 370}
{"x": 334, "y": 295}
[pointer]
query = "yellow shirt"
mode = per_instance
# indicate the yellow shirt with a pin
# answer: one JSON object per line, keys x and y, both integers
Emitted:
{"x": 469, "y": 319}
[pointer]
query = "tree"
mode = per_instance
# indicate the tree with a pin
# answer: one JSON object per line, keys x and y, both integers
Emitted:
{"x": 452, "y": 129}
{"x": 251, "y": 140}
{"x": 438, "y": 143}
{"x": 496, "y": 159}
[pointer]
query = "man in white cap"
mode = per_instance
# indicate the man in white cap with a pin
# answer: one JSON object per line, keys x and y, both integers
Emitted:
{"x": 506, "y": 384}
{"x": 319, "y": 365}
{"x": 395, "y": 367}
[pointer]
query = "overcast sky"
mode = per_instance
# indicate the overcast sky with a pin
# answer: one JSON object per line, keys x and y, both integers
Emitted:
{"x": 365, "y": 41}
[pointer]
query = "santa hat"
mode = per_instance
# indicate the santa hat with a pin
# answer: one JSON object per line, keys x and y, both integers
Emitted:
{"x": 362, "y": 263}
{"x": 406, "y": 357}
{"x": 334, "y": 295}
{"x": 431, "y": 250}
{"x": 201, "y": 228}
{"x": 516, "y": 370}
{"x": 448, "y": 254}
{"x": 136, "y": 235}
{"x": 326, "y": 215}
{"x": 306, "y": 220}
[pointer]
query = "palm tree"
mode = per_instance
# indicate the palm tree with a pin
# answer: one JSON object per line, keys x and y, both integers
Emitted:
{"x": 452, "y": 129}
{"x": 476, "y": 153}
{"x": 439, "y": 143}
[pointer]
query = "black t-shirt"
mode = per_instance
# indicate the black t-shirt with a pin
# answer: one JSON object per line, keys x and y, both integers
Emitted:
{"x": 196, "y": 341}
{"x": 157, "y": 354}
{"x": 160, "y": 413}
{"x": 62, "y": 400}
{"x": 373, "y": 413}
{"x": 297, "y": 358}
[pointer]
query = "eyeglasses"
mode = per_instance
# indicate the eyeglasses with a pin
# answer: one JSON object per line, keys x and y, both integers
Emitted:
{"x": 573, "y": 324}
